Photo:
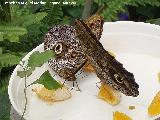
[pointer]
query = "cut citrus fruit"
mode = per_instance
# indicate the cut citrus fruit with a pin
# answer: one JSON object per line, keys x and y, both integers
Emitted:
{"x": 120, "y": 116}
{"x": 154, "y": 107}
{"x": 88, "y": 67}
{"x": 109, "y": 95}
{"x": 60, "y": 94}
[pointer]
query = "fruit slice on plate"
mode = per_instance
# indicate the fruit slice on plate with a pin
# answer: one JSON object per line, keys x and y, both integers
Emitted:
{"x": 88, "y": 67}
{"x": 154, "y": 107}
{"x": 109, "y": 94}
{"x": 120, "y": 116}
{"x": 60, "y": 94}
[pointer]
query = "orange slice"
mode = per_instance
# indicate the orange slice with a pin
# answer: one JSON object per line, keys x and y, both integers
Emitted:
{"x": 109, "y": 95}
{"x": 88, "y": 67}
{"x": 120, "y": 116}
{"x": 154, "y": 107}
{"x": 60, "y": 94}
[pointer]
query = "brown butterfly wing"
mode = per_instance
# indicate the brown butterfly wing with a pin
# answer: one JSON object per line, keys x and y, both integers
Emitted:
{"x": 70, "y": 58}
{"x": 107, "y": 68}
{"x": 95, "y": 23}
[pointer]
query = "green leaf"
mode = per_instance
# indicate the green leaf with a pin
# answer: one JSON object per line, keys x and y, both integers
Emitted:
{"x": 1, "y": 36}
{"x": 26, "y": 20}
{"x": 154, "y": 21}
{"x": 0, "y": 50}
{"x": 5, "y": 29}
{"x": 48, "y": 81}
{"x": 9, "y": 60}
{"x": 74, "y": 12}
{"x": 22, "y": 74}
{"x": 114, "y": 7}
{"x": 4, "y": 99}
{"x": 37, "y": 59}
{"x": 11, "y": 37}
{"x": 11, "y": 33}
{"x": 54, "y": 13}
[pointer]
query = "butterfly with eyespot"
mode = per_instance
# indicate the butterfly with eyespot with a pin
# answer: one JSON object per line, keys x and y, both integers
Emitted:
{"x": 69, "y": 55}
{"x": 107, "y": 68}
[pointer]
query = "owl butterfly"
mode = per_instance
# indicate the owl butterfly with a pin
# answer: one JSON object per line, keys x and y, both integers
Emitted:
{"x": 69, "y": 56}
{"x": 107, "y": 68}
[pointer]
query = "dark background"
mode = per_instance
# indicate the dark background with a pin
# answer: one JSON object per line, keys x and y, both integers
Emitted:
{"x": 22, "y": 27}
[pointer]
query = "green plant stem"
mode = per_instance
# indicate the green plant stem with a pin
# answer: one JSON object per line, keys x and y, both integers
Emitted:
{"x": 87, "y": 9}
{"x": 25, "y": 93}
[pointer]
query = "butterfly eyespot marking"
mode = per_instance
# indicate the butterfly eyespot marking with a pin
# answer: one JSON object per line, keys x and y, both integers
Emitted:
{"x": 58, "y": 48}
{"x": 119, "y": 80}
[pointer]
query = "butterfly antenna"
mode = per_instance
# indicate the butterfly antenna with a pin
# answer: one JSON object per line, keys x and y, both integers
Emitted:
{"x": 80, "y": 66}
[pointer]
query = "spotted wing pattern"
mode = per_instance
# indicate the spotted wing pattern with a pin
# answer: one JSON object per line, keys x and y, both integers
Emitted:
{"x": 62, "y": 39}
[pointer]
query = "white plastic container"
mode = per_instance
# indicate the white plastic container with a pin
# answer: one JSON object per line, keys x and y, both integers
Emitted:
{"x": 136, "y": 45}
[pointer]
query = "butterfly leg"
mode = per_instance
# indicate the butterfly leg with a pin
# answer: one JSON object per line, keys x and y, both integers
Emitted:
{"x": 98, "y": 83}
{"x": 78, "y": 89}
{"x": 75, "y": 82}
{"x": 64, "y": 82}
{"x": 72, "y": 86}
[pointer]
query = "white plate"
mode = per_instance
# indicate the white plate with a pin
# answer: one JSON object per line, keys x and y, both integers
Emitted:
{"x": 136, "y": 45}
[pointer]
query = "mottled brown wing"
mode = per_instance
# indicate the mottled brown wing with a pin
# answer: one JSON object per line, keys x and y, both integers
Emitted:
{"x": 95, "y": 23}
{"x": 69, "y": 55}
{"x": 62, "y": 39}
{"x": 107, "y": 68}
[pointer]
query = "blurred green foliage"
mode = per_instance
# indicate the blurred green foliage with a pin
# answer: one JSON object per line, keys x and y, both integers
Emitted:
{"x": 113, "y": 7}
{"x": 22, "y": 27}
{"x": 28, "y": 23}
{"x": 154, "y": 21}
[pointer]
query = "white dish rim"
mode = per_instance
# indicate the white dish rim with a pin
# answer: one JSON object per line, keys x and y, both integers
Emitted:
{"x": 106, "y": 23}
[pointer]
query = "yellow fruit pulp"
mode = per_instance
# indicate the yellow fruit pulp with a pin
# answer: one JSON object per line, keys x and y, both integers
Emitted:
{"x": 154, "y": 107}
{"x": 120, "y": 116}
{"x": 59, "y": 94}
{"x": 88, "y": 67}
{"x": 45, "y": 94}
{"x": 109, "y": 95}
